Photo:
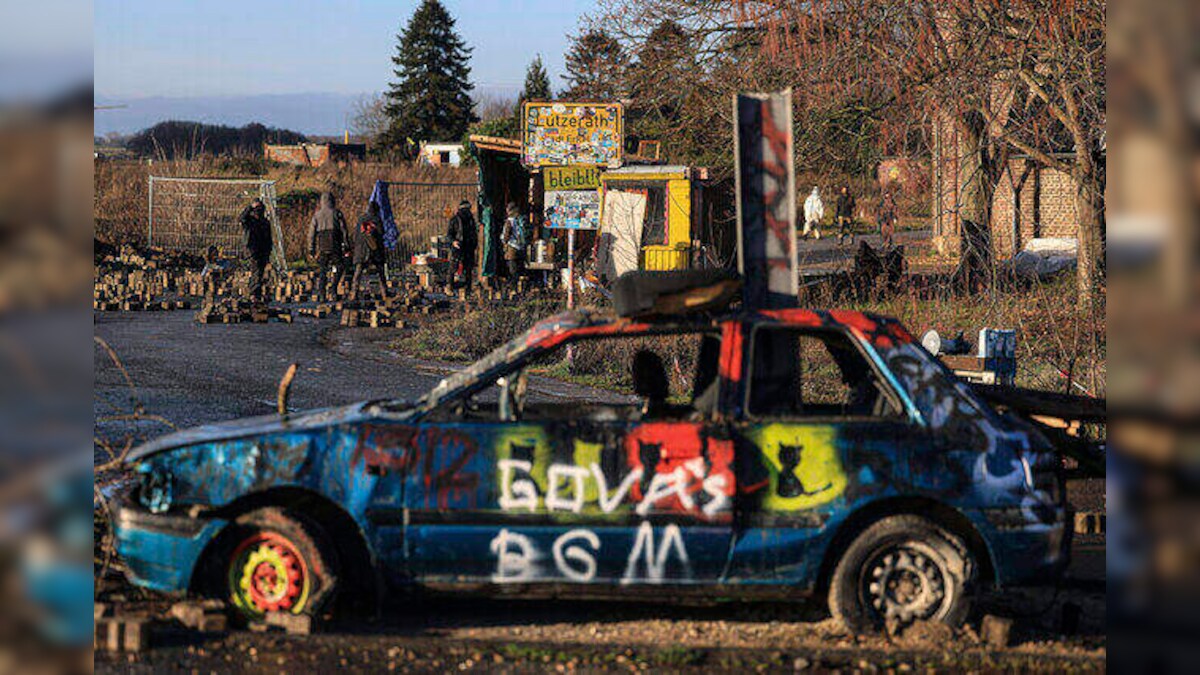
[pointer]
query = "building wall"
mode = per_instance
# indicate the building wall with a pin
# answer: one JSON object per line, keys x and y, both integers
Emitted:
{"x": 313, "y": 154}
{"x": 1046, "y": 202}
{"x": 1043, "y": 198}
{"x": 302, "y": 155}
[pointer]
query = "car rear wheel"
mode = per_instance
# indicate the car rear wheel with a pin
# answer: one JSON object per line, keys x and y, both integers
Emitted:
{"x": 274, "y": 560}
{"x": 900, "y": 570}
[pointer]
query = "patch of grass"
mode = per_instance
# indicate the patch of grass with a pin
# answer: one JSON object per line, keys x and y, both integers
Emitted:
{"x": 602, "y": 364}
{"x": 1055, "y": 336}
{"x": 677, "y": 656}
{"x": 472, "y": 335}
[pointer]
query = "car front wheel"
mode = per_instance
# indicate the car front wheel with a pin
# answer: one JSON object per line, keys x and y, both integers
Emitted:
{"x": 274, "y": 560}
{"x": 900, "y": 570}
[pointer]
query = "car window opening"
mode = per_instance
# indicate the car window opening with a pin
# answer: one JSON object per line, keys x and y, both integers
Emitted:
{"x": 631, "y": 378}
{"x": 805, "y": 373}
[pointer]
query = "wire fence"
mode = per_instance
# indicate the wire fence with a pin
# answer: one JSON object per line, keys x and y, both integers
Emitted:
{"x": 422, "y": 211}
{"x": 192, "y": 214}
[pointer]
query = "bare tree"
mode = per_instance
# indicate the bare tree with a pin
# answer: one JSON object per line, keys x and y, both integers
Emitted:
{"x": 368, "y": 117}
{"x": 1051, "y": 53}
{"x": 1020, "y": 75}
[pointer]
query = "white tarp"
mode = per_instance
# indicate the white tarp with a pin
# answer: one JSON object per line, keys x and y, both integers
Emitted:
{"x": 621, "y": 231}
{"x": 1045, "y": 257}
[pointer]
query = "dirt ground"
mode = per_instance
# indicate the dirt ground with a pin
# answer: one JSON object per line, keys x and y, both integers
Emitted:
{"x": 442, "y": 634}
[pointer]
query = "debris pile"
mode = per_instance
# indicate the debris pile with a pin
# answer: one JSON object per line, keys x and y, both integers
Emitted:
{"x": 234, "y": 310}
{"x": 133, "y": 279}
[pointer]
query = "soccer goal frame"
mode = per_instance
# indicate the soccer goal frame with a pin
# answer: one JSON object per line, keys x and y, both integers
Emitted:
{"x": 191, "y": 214}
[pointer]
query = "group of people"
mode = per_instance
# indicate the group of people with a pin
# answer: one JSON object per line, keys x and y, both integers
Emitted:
{"x": 336, "y": 247}
{"x": 843, "y": 217}
{"x": 331, "y": 243}
{"x": 463, "y": 235}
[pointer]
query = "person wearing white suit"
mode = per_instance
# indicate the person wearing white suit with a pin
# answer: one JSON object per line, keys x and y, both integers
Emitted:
{"x": 814, "y": 211}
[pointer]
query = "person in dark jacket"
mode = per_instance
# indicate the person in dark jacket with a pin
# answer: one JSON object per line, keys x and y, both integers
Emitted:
{"x": 845, "y": 215}
{"x": 464, "y": 241}
{"x": 257, "y": 230}
{"x": 368, "y": 250}
{"x": 327, "y": 239}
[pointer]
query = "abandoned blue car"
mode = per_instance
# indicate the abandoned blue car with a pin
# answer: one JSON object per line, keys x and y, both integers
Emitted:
{"x": 811, "y": 453}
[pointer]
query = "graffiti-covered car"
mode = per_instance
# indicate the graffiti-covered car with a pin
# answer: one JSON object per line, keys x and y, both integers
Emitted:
{"x": 815, "y": 453}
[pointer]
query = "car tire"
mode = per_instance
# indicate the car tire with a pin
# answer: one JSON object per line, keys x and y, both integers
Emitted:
{"x": 274, "y": 560}
{"x": 899, "y": 570}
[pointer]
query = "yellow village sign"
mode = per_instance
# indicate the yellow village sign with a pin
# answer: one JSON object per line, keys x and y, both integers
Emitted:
{"x": 561, "y": 178}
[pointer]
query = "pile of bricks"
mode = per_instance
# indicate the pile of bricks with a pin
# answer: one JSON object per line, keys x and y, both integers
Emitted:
{"x": 154, "y": 279}
{"x": 373, "y": 318}
{"x": 131, "y": 280}
{"x": 301, "y": 287}
{"x": 206, "y": 616}
{"x": 137, "y": 290}
{"x": 232, "y": 310}
{"x": 119, "y": 632}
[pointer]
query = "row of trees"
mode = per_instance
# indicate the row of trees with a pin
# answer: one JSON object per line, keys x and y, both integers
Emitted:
{"x": 175, "y": 139}
{"x": 1005, "y": 77}
{"x": 869, "y": 77}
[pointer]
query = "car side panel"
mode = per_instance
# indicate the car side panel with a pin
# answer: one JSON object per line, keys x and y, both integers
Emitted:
{"x": 799, "y": 481}
{"x": 573, "y": 502}
{"x": 207, "y": 478}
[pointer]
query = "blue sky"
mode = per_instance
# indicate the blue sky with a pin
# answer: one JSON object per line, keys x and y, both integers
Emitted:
{"x": 182, "y": 48}
{"x": 45, "y": 47}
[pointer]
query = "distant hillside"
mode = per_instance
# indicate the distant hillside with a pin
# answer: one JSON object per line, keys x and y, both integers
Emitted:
{"x": 315, "y": 114}
{"x": 177, "y": 139}
{"x": 318, "y": 113}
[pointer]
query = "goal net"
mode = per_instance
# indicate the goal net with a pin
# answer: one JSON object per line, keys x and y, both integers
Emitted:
{"x": 191, "y": 214}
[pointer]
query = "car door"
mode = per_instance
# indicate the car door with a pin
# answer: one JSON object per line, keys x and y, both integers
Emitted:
{"x": 614, "y": 495}
{"x": 822, "y": 432}
{"x": 456, "y": 510}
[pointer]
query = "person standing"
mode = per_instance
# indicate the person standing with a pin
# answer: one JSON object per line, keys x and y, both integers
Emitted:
{"x": 327, "y": 238}
{"x": 257, "y": 230}
{"x": 814, "y": 211}
{"x": 844, "y": 213}
{"x": 514, "y": 238}
{"x": 464, "y": 241}
{"x": 887, "y": 219}
{"x": 368, "y": 250}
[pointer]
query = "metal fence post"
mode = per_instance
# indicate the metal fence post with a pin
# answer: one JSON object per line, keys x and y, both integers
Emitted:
{"x": 150, "y": 213}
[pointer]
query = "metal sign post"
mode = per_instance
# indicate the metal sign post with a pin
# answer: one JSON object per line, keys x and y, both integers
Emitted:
{"x": 766, "y": 199}
{"x": 571, "y": 269}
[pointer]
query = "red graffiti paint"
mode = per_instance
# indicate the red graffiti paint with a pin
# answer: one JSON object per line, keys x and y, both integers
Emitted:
{"x": 683, "y": 452}
{"x": 730, "y": 366}
{"x": 446, "y": 453}
{"x": 440, "y": 454}
{"x": 389, "y": 448}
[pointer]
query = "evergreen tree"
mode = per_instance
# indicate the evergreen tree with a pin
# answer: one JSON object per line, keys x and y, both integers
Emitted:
{"x": 537, "y": 84}
{"x": 596, "y": 67}
{"x": 430, "y": 100}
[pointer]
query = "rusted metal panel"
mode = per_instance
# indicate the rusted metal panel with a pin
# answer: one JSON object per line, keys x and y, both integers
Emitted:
{"x": 766, "y": 199}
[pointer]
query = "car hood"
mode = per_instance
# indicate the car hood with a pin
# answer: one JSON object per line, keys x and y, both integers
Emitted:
{"x": 268, "y": 424}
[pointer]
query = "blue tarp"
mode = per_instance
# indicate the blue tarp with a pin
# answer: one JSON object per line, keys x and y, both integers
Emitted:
{"x": 379, "y": 196}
